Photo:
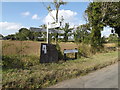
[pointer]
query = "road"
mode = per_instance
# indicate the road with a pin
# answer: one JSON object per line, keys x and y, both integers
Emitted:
{"x": 103, "y": 78}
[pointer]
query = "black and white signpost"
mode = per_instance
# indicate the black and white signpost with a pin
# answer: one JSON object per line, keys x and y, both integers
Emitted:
{"x": 48, "y": 51}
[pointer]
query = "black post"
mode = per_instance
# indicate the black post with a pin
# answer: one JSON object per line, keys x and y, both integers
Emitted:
{"x": 64, "y": 55}
{"x": 75, "y": 54}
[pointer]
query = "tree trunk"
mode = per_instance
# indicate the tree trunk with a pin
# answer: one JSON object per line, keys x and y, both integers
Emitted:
{"x": 117, "y": 30}
{"x": 57, "y": 9}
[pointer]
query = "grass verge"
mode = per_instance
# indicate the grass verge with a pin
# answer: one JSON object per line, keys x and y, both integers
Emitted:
{"x": 44, "y": 75}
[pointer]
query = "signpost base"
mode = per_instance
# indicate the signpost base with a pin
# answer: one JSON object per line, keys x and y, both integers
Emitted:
{"x": 49, "y": 53}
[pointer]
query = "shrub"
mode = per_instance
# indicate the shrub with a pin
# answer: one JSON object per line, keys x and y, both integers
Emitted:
{"x": 19, "y": 61}
{"x": 84, "y": 50}
{"x": 60, "y": 55}
{"x": 11, "y": 62}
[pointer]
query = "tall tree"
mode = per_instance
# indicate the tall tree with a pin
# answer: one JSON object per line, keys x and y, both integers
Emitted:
{"x": 56, "y": 4}
{"x": 111, "y": 15}
{"x": 104, "y": 14}
{"x": 95, "y": 20}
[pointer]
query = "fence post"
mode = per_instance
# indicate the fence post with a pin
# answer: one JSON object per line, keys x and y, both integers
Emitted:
{"x": 64, "y": 55}
{"x": 75, "y": 54}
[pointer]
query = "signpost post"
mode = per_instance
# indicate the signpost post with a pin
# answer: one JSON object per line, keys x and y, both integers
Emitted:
{"x": 51, "y": 26}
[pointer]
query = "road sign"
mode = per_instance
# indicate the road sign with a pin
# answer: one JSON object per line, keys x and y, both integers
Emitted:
{"x": 51, "y": 26}
{"x": 55, "y": 25}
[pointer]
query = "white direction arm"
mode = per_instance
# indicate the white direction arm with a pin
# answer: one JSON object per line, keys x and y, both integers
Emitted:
{"x": 50, "y": 26}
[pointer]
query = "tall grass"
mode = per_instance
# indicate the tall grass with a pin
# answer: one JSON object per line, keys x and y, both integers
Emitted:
{"x": 44, "y": 75}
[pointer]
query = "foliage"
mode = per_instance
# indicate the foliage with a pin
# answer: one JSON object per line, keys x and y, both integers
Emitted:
{"x": 67, "y": 31}
{"x": 84, "y": 50}
{"x": 111, "y": 15}
{"x": 36, "y": 35}
{"x": 60, "y": 55}
{"x": 95, "y": 20}
{"x": 15, "y": 61}
{"x": 104, "y": 39}
{"x": 82, "y": 34}
{"x": 112, "y": 38}
{"x": 11, "y": 37}
{"x": 56, "y": 4}
{"x": 103, "y": 14}
{"x": 24, "y": 34}
{"x": 11, "y": 62}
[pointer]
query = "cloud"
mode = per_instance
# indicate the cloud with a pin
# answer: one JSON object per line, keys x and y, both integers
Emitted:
{"x": 68, "y": 15}
{"x": 35, "y": 17}
{"x": 26, "y": 13}
{"x": 9, "y": 27}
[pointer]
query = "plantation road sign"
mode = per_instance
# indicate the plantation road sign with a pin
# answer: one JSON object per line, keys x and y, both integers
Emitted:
{"x": 48, "y": 51}
{"x": 34, "y": 29}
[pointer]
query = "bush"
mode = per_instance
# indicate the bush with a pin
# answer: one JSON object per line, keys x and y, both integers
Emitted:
{"x": 60, "y": 55}
{"x": 84, "y": 50}
{"x": 19, "y": 61}
{"x": 11, "y": 62}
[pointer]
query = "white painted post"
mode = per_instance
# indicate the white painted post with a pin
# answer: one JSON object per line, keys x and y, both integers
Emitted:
{"x": 50, "y": 26}
{"x": 47, "y": 33}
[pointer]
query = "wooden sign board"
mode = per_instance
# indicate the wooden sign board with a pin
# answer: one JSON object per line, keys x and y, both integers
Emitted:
{"x": 71, "y": 51}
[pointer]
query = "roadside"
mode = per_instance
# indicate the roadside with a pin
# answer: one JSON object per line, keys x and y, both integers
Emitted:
{"x": 45, "y": 75}
{"x": 104, "y": 78}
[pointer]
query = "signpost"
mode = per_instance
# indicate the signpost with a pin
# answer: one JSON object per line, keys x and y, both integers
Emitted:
{"x": 48, "y": 51}
{"x": 51, "y": 26}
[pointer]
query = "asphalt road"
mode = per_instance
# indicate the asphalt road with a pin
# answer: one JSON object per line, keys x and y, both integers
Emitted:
{"x": 103, "y": 78}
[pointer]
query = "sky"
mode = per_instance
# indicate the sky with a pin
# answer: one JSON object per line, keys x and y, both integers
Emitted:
{"x": 16, "y": 15}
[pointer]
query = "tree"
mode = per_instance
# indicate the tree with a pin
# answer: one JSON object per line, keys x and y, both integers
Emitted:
{"x": 111, "y": 15}
{"x": 82, "y": 34}
{"x": 1, "y": 36}
{"x": 95, "y": 20}
{"x": 104, "y": 14}
{"x": 56, "y": 4}
{"x": 43, "y": 26}
{"x": 37, "y": 36}
{"x": 67, "y": 31}
{"x": 112, "y": 38}
{"x": 24, "y": 34}
{"x": 11, "y": 37}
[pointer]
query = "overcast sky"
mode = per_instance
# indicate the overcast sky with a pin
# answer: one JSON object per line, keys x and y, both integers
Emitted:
{"x": 16, "y": 15}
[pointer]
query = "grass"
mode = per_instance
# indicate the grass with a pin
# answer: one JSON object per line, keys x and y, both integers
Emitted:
{"x": 28, "y": 47}
{"x": 21, "y": 67}
{"x": 44, "y": 75}
{"x": 32, "y": 48}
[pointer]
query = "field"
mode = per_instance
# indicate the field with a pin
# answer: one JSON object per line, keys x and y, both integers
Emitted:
{"x": 21, "y": 67}
{"x": 28, "y": 47}
{"x": 33, "y": 47}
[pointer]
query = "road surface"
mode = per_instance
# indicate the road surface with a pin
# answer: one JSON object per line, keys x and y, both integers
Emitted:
{"x": 103, "y": 78}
